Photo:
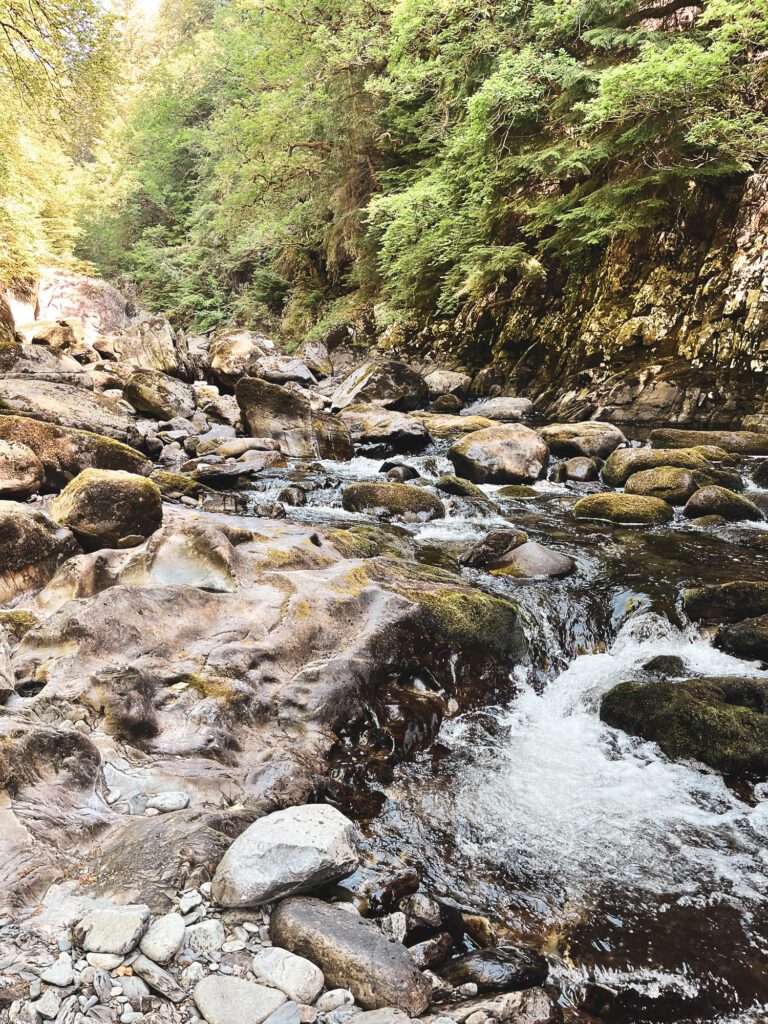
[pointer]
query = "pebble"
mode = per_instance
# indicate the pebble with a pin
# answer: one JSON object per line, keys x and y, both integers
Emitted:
{"x": 49, "y": 1004}
{"x": 332, "y": 1000}
{"x": 233, "y": 946}
{"x": 206, "y": 937}
{"x": 188, "y": 900}
{"x": 469, "y": 988}
{"x": 112, "y": 929}
{"x": 164, "y": 803}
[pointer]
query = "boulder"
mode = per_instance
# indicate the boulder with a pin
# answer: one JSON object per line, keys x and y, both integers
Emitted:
{"x": 392, "y": 498}
{"x": 670, "y": 484}
{"x": 352, "y": 953}
{"x": 207, "y": 937}
{"x": 449, "y": 427}
{"x": 591, "y": 438}
{"x": 222, "y": 999}
{"x": 7, "y": 325}
{"x": 32, "y": 546}
{"x": 290, "y": 851}
{"x": 233, "y": 352}
{"x": 492, "y": 547}
{"x": 65, "y": 452}
{"x": 499, "y": 969}
{"x": 152, "y": 344}
{"x": 719, "y": 501}
{"x": 299, "y": 979}
{"x": 21, "y": 472}
{"x": 159, "y": 395}
{"x": 112, "y": 929}
{"x": 721, "y": 722}
{"x": 508, "y": 454}
{"x": 270, "y": 410}
{"x": 68, "y": 406}
{"x": 450, "y": 404}
{"x": 726, "y": 602}
{"x": 447, "y": 382}
{"x": 504, "y": 410}
{"x": 385, "y": 382}
{"x": 381, "y": 432}
{"x": 315, "y": 355}
{"x": 760, "y": 474}
{"x": 532, "y": 561}
{"x": 739, "y": 442}
{"x": 100, "y": 306}
{"x": 745, "y": 639}
{"x": 458, "y": 488}
{"x": 108, "y": 508}
{"x": 623, "y": 464}
{"x": 580, "y": 469}
{"x": 627, "y": 509}
{"x": 279, "y": 369}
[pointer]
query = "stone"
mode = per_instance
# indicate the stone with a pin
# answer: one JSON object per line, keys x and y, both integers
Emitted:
{"x": 669, "y": 483}
{"x": 401, "y": 474}
{"x": 589, "y": 438}
{"x": 719, "y": 501}
{"x": 726, "y": 602}
{"x": 273, "y": 411}
{"x": 104, "y": 961}
{"x": 169, "y": 801}
{"x": 333, "y": 999}
{"x": 233, "y": 351}
{"x": 740, "y": 442}
{"x": 352, "y": 953}
{"x": 450, "y": 404}
{"x": 279, "y": 369}
{"x": 158, "y": 979}
{"x": 315, "y": 355}
{"x": 532, "y": 560}
{"x": 447, "y": 382}
{"x": 205, "y": 937}
{"x": 721, "y": 722}
{"x": 622, "y": 464}
{"x": 392, "y": 498}
{"x": 624, "y": 509}
{"x": 385, "y": 382}
{"x": 289, "y": 851}
{"x": 499, "y": 969}
{"x": 502, "y": 409}
{"x": 288, "y": 1013}
{"x": 107, "y": 508}
{"x": 387, "y": 1015}
{"x": 60, "y": 972}
{"x": 745, "y": 639}
{"x": 507, "y": 454}
{"x": 68, "y": 406}
{"x": 492, "y": 547}
{"x": 432, "y": 951}
{"x": 21, "y": 472}
{"x": 455, "y": 486}
{"x": 531, "y": 1006}
{"x": 49, "y": 1004}
{"x": 159, "y": 395}
{"x": 227, "y": 1000}
{"x": 296, "y": 976}
{"x": 163, "y": 938}
{"x": 112, "y": 930}
{"x": 381, "y": 432}
{"x": 152, "y": 344}
{"x": 32, "y": 546}
{"x": 580, "y": 469}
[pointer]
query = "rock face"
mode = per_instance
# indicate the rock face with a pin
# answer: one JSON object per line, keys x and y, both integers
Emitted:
{"x": 499, "y": 969}
{"x": 226, "y": 1000}
{"x": 21, "y": 472}
{"x": 152, "y": 344}
{"x": 395, "y": 499}
{"x": 720, "y": 722}
{"x": 270, "y": 410}
{"x": 447, "y": 382}
{"x": 719, "y": 501}
{"x": 68, "y": 406}
{"x": 387, "y": 383}
{"x": 352, "y": 953}
{"x": 505, "y": 410}
{"x": 159, "y": 395}
{"x": 627, "y": 509}
{"x": 290, "y": 851}
{"x": 32, "y": 545}
{"x": 740, "y": 442}
{"x": 531, "y": 561}
{"x": 283, "y": 369}
{"x": 509, "y": 454}
{"x": 109, "y": 509}
{"x": 668, "y": 483}
{"x": 101, "y": 307}
{"x": 590, "y": 438}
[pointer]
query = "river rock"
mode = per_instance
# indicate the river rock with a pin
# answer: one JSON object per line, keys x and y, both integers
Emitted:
{"x": 32, "y": 546}
{"x": 447, "y": 382}
{"x": 158, "y": 979}
{"x": 532, "y": 561}
{"x": 107, "y": 508}
{"x": 68, "y": 406}
{"x": 394, "y": 499}
{"x": 233, "y": 352}
{"x": 450, "y": 428}
{"x": 294, "y": 975}
{"x": 580, "y": 469}
{"x": 623, "y": 464}
{"x": 670, "y": 484}
{"x": 60, "y": 972}
{"x": 222, "y": 999}
{"x": 458, "y": 488}
{"x": 740, "y": 442}
{"x": 721, "y": 722}
{"x": 279, "y": 369}
{"x": 745, "y": 639}
{"x": 760, "y": 474}
{"x": 315, "y": 355}
{"x": 500, "y": 969}
{"x": 719, "y": 501}
{"x": 291, "y": 1013}
{"x": 152, "y": 344}
{"x": 290, "y": 851}
{"x": 505, "y": 410}
{"x": 591, "y": 438}
{"x": 352, "y": 953}
{"x": 21, "y": 472}
{"x": 159, "y": 395}
{"x": 205, "y": 937}
{"x": 450, "y": 404}
{"x": 626, "y": 509}
{"x": 333, "y": 999}
{"x": 531, "y": 1006}
{"x": 507, "y": 454}
{"x": 726, "y": 602}
{"x": 164, "y": 938}
{"x": 381, "y": 432}
{"x": 385, "y": 382}
{"x": 402, "y": 474}
{"x": 270, "y": 410}
{"x": 112, "y": 930}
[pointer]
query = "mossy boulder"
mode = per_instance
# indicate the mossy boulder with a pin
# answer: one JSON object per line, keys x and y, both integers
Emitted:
{"x": 719, "y": 501}
{"x": 623, "y": 464}
{"x": 746, "y": 639}
{"x": 669, "y": 483}
{"x": 381, "y": 431}
{"x": 502, "y": 455}
{"x": 626, "y": 509}
{"x": 386, "y": 382}
{"x": 270, "y": 410}
{"x": 10, "y": 346}
{"x": 458, "y": 488}
{"x": 16, "y": 623}
{"x": 109, "y": 509}
{"x": 32, "y": 546}
{"x": 176, "y": 485}
{"x": 740, "y": 442}
{"x": 580, "y": 469}
{"x": 394, "y": 499}
{"x": 721, "y": 722}
{"x": 726, "y": 602}
{"x": 68, "y": 406}
{"x": 517, "y": 492}
{"x": 21, "y": 472}
{"x": 159, "y": 395}
{"x": 589, "y": 438}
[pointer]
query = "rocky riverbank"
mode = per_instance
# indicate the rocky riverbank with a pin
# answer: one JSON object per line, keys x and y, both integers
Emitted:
{"x": 218, "y": 620}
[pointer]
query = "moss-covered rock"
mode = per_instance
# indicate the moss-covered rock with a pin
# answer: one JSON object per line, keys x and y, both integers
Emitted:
{"x": 670, "y": 484}
{"x": 627, "y": 509}
{"x": 109, "y": 509}
{"x": 740, "y": 442}
{"x": 159, "y": 395}
{"x": 68, "y": 406}
{"x": 395, "y": 499}
{"x": 370, "y": 542}
{"x": 719, "y": 501}
{"x": 589, "y": 438}
{"x": 175, "y": 485}
{"x": 623, "y": 464}
{"x": 726, "y": 602}
{"x": 503, "y": 455}
{"x": 32, "y": 546}
{"x": 16, "y": 622}
{"x": 721, "y": 722}
{"x": 21, "y": 472}
{"x": 746, "y": 639}
{"x": 459, "y": 488}
{"x": 517, "y": 492}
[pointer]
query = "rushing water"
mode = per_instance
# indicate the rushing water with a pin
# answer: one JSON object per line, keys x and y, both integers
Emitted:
{"x": 645, "y": 880}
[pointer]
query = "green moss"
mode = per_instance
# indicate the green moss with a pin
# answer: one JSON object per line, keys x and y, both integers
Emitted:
{"x": 726, "y": 602}
{"x": 368, "y": 542}
{"x": 214, "y": 687}
{"x": 517, "y": 491}
{"x": 626, "y": 509}
{"x": 17, "y": 622}
{"x": 172, "y": 484}
{"x": 625, "y": 462}
{"x": 397, "y": 499}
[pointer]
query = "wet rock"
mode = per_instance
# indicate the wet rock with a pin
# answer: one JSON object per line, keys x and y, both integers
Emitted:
{"x": 670, "y": 484}
{"x": 315, "y": 355}
{"x": 352, "y": 953}
{"x": 385, "y": 382}
{"x": 112, "y": 930}
{"x": 379, "y": 431}
{"x": 227, "y": 1000}
{"x": 626, "y": 509}
{"x": 21, "y": 472}
{"x": 719, "y": 501}
{"x": 532, "y": 1006}
{"x": 500, "y": 969}
{"x": 295, "y": 496}
{"x": 579, "y": 469}
{"x": 294, "y": 975}
{"x": 508, "y": 454}
{"x": 721, "y": 722}
{"x": 745, "y": 639}
{"x": 532, "y": 561}
{"x": 432, "y": 951}
{"x": 290, "y": 851}
{"x": 159, "y": 395}
{"x": 459, "y": 488}
{"x": 665, "y": 665}
{"x": 760, "y": 474}
{"x": 726, "y": 602}
{"x": 68, "y": 406}
{"x": 740, "y": 442}
{"x": 517, "y": 492}
{"x": 587, "y": 439}
{"x": 232, "y": 353}
{"x": 420, "y": 910}
{"x": 163, "y": 939}
{"x": 270, "y": 410}
{"x": 623, "y": 464}
{"x": 450, "y": 404}
{"x": 108, "y": 508}
{"x": 32, "y": 546}
{"x": 502, "y": 409}
{"x": 394, "y": 499}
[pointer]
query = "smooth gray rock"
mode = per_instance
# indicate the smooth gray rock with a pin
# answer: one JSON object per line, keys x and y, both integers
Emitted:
{"x": 227, "y": 1000}
{"x": 288, "y": 1013}
{"x": 158, "y": 979}
{"x": 300, "y": 979}
{"x": 163, "y": 939}
{"x": 60, "y": 972}
{"x": 206, "y": 937}
{"x": 506, "y": 410}
{"x": 113, "y": 929}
